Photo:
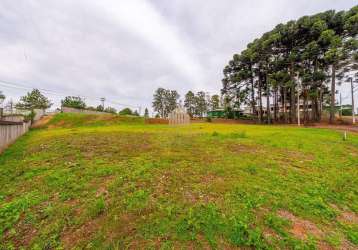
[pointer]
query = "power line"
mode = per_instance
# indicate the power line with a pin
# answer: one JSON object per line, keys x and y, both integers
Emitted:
{"x": 57, "y": 93}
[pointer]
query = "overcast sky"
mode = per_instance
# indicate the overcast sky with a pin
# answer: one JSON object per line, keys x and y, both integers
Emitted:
{"x": 124, "y": 49}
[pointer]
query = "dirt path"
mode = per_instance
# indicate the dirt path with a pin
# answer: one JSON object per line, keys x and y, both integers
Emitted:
{"x": 42, "y": 122}
{"x": 348, "y": 128}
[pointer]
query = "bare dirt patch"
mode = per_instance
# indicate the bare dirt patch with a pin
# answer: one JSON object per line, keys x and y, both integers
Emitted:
{"x": 102, "y": 189}
{"x": 42, "y": 122}
{"x": 301, "y": 228}
{"x": 349, "y": 217}
{"x": 244, "y": 149}
{"x": 60, "y": 124}
{"x": 71, "y": 238}
{"x": 156, "y": 121}
{"x": 346, "y": 216}
{"x": 348, "y": 128}
{"x": 24, "y": 233}
{"x": 346, "y": 245}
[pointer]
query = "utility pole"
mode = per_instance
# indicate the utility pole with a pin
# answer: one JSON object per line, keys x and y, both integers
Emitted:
{"x": 11, "y": 104}
{"x": 102, "y": 100}
{"x": 2, "y": 98}
{"x": 353, "y": 110}
{"x": 340, "y": 104}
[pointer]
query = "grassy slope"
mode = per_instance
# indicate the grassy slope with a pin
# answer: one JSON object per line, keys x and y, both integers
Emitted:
{"x": 111, "y": 182}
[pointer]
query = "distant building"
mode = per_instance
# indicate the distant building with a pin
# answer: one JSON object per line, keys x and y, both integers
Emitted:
{"x": 220, "y": 113}
{"x": 280, "y": 108}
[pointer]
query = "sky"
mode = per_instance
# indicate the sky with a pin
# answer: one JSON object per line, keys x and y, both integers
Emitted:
{"x": 125, "y": 49}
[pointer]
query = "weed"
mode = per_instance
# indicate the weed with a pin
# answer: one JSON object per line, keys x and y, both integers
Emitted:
{"x": 202, "y": 219}
{"x": 251, "y": 169}
{"x": 237, "y": 135}
{"x": 352, "y": 234}
{"x": 97, "y": 207}
{"x": 242, "y": 234}
{"x": 137, "y": 200}
{"x": 277, "y": 223}
{"x": 215, "y": 133}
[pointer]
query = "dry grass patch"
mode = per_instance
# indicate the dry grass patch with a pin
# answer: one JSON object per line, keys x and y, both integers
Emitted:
{"x": 72, "y": 237}
{"x": 301, "y": 228}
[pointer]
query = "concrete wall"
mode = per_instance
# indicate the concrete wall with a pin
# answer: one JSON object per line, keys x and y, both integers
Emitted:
{"x": 82, "y": 111}
{"x": 13, "y": 118}
{"x": 19, "y": 117}
{"x": 10, "y": 131}
{"x": 39, "y": 113}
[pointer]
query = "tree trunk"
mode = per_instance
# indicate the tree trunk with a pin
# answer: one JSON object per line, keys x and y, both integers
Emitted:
{"x": 292, "y": 97}
{"x": 285, "y": 103}
{"x": 268, "y": 109}
{"x": 333, "y": 95}
{"x": 320, "y": 103}
{"x": 253, "y": 106}
{"x": 316, "y": 106}
{"x": 305, "y": 106}
{"x": 275, "y": 105}
{"x": 353, "y": 107}
{"x": 260, "y": 100}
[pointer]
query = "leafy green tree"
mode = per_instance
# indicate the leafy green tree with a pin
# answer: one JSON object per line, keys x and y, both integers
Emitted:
{"x": 100, "y": 108}
{"x": 159, "y": 103}
{"x": 332, "y": 56}
{"x": 110, "y": 110}
{"x": 165, "y": 101}
{"x": 126, "y": 111}
{"x": 299, "y": 57}
{"x": 91, "y": 108}
{"x": 34, "y": 100}
{"x": 189, "y": 103}
{"x": 73, "y": 102}
{"x": 171, "y": 101}
{"x": 2, "y": 96}
{"x": 201, "y": 105}
{"x": 146, "y": 113}
{"x": 215, "y": 102}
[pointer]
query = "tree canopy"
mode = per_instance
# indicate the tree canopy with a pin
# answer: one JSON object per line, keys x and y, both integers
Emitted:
{"x": 300, "y": 59}
{"x": 165, "y": 101}
{"x": 73, "y": 102}
{"x": 110, "y": 110}
{"x": 146, "y": 113}
{"x": 34, "y": 100}
{"x": 2, "y": 96}
{"x": 126, "y": 111}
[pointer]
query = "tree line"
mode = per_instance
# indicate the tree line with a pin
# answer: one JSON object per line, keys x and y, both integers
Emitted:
{"x": 196, "y": 105}
{"x": 79, "y": 103}
{"x": 300, "y": 61}
{"x": 36, "y": 100}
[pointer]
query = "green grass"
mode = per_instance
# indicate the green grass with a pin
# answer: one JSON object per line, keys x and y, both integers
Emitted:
{"x": 111, "y": 182}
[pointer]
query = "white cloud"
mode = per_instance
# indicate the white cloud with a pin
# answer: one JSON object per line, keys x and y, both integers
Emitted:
{"x": 142, "y": 19}
{"x": 125, "y": 49}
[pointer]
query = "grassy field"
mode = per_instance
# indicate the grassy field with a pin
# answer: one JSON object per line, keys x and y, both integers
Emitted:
{"x": 104, "y": 182}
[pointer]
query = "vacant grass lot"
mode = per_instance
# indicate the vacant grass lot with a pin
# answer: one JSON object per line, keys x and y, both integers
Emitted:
{"x": 114, "y": 183}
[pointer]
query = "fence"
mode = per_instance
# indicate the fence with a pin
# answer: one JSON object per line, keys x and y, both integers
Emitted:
{"x": 10, "y": 131}
{"x": 179, "y": 116}
{"x": 82, "y": 111}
